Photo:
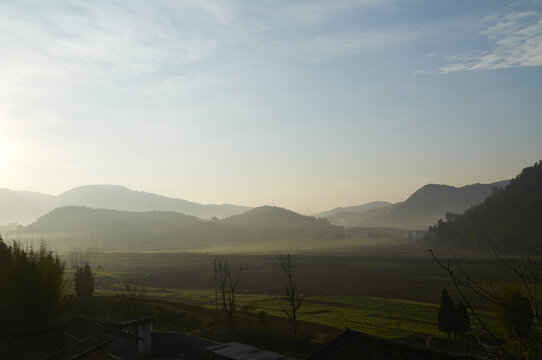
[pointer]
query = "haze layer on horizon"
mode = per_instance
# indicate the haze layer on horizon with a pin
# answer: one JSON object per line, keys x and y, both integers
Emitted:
{"x": 307, "y": 105}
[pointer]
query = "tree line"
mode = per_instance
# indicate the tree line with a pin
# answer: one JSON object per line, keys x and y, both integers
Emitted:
{"x": 30, "y": 280}
{"x": 511, "y": 216}
{"x": 33, "y": 280}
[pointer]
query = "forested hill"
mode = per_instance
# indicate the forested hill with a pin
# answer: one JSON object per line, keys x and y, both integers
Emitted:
{"x": 77, "y": 226}
{"x": 433, "y": 197}
{"x": 422, "y": 209}
{"x": 357, "y": 209}
{"x": 433, "y": 201}
{"x": 278, "y": 218}
{"x": 511, "y": 217}
{"x": 73, "y": 219}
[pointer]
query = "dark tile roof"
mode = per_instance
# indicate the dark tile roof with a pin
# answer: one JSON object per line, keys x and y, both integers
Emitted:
{"x": 86, "y": 336}
{"x": 354, "y": 345}
{"x": 133, "y": 322}
{"x": 24, "y": 324}
{"x": 34, "y": 335}
{"x": 238, "y": 351}
{"x": 81, "y": 328}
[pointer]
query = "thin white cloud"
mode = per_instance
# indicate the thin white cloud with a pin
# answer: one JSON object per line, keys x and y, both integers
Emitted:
{"x": 329, "y": 46}
{"x": 317, "y": 11}
{"x": 223, "y": 12}
{"x": 329, "y": 30}
{"x": 515, "y": 41}
{"x": 183, "y": 84}
{"x": 50, "y": 53}
{"x": 98, "y": 40}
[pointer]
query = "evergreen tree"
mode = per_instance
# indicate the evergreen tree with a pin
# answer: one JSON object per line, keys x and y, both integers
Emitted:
{"x": 462, "y": 320}
{"x": 84, "y": 281}
{"x": 30, "y": 280}
{"x": 446, "y": 313}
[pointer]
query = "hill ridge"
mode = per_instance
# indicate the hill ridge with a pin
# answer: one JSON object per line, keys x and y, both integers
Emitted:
{"x": 25, "y": 207}
{"x": 422, "y": 208}
{"x": 71, "y": 225}
{"x": 510, "y": 217}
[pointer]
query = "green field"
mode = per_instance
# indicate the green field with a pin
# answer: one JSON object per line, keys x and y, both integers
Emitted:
{"x": 387, "y": 317}
{"x": 389, "y": 290}
{"x": 390, "y": 296}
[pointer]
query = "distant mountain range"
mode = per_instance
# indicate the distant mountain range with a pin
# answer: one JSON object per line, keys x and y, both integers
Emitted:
{"x": 88, "y": 220}
{"x": 24, "y": 207}
{"x": 358, "y": 209}
{"x": 422, "y": 209}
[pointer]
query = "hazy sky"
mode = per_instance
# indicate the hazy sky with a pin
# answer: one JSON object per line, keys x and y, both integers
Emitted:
{"x": 302, "y": 104}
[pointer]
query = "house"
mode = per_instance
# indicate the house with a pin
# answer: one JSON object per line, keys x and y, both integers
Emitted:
{"x": 174, "y": 345}
{"x": 24, "y": 335}
{"x": 238, "y": 351}
{"x": 355, "y": 345}
{"x": 140, "y": 328}
{"x": 36, "y": 336}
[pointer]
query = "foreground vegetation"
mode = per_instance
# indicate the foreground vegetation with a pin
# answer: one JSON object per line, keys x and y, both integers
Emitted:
{"x": 386, "y": 317}
{"x": 30, "y": 279}
{"x": 370, "y": 290}
{"x": 394, "y": 297}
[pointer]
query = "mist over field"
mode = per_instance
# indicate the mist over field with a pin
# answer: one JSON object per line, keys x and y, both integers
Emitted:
{"x": 300, "y": 180}
{"x": 114, "y": 217}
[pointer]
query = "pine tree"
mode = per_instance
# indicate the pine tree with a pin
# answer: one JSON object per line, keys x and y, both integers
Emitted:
{"x": 30, "y": 280}
{"x": 462, "y": 320}
{"x": 84, "y": 281}
{"x": 446, "y": 313}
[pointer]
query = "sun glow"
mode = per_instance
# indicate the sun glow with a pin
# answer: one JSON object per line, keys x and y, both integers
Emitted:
{"x": 3, "y": 152}
{"x": 6, "y": 151}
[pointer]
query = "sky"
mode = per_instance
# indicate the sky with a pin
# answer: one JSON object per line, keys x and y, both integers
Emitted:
{"x": 308, "y": 105}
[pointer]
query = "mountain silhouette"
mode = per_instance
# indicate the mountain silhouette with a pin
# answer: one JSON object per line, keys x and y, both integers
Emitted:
{"x": 24, "y": 207}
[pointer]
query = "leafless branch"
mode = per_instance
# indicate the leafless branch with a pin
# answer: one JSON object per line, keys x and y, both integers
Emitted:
{"x": 295, "y": 298}
{"x": 228, "y": 282}
{"x": 459, "y": 285}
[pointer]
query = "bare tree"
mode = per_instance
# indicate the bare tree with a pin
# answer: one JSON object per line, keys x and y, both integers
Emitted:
{"x": 130, "y": 294}
{"x": 78, "y": 258}
{"x": 288, "y": 264}
{"x": 527, "y": 275}
{"x": 227, "y": 277}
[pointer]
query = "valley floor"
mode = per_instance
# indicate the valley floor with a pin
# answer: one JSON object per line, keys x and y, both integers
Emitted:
{"x": 389, "y": 296}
